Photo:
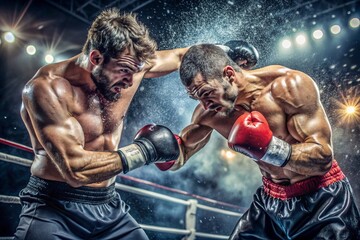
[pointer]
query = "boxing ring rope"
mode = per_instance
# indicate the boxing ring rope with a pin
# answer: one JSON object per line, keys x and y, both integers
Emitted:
{"x": 192, "y": 204}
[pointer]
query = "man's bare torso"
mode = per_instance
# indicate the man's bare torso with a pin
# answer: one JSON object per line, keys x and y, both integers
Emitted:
{"x": 280, "y": 123}
{"x": 101, "y": 121}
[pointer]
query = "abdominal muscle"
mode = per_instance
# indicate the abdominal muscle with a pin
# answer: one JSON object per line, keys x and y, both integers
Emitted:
{"x": 280, "y": 175}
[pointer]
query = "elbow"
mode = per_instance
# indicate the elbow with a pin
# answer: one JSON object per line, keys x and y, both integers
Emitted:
{"x": 325, "y": 161}
{"x": 74, "y": 177}
{"x": 74, "y": 180}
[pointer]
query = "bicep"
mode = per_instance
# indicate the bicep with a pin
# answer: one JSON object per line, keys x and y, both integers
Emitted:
{"x": 311, "y": 127}
{"x": 195, "y": 137}
{"x": 58, "y": 132}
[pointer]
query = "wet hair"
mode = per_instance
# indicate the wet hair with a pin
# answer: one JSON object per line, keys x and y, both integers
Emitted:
{"x": 206, "y": 59}
{"x": 112, "y": 32}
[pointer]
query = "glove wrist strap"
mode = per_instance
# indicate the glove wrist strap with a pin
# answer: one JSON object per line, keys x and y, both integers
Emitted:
{"x": 278, "y": 152}
{"x": 131, "y": 157}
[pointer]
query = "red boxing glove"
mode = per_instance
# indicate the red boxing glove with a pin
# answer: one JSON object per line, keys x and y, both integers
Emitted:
{"x": 164, "y": 166}
{"x": 251, "y": 135}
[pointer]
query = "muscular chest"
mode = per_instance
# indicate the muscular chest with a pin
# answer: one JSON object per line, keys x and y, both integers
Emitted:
{"x": 99, "y": 118}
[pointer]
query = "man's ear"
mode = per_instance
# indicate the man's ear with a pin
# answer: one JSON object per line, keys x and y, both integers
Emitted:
{"x": 95, "y": 57}
{"x": 229, "y": 73}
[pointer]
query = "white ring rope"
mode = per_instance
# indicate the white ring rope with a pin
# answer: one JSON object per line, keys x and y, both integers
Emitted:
{"x": 13, "y": 159}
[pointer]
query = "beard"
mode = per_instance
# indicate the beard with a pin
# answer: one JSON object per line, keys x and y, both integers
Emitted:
{"x": 229, "y": 101}
{"x": 102, "y": 83}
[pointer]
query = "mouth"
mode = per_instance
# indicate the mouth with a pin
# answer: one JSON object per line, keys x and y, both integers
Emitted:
{"x": 218, "y": 109}
{"x": 117, "y": 88}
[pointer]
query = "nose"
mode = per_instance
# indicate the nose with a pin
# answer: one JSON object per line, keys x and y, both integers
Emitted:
{"x": 205, "y": 104}
{"x": 128, "y": 80}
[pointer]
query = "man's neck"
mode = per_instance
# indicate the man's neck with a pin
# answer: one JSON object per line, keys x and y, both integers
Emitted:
{"x": 249, "y": 88}
{"x": 79, "y": 73}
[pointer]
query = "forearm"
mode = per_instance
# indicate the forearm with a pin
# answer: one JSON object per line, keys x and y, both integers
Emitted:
{"x": 310, "y": 159}
{"x": 187, "y": 150}
{"x": 91, "y": 167}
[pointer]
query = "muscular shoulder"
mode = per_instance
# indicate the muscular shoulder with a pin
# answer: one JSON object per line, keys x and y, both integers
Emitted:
{"x": 46, "y": 86}
{"x": 295, "y": 90}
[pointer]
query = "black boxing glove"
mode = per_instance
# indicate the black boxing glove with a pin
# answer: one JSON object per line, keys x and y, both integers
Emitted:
{"x": 152, "y": 143}
{"x": 241, "y": 52}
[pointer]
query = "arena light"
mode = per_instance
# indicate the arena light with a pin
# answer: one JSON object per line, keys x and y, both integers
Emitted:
{"x": 31, "y": 49}
{"x": 227, "y": 154}
{"x": 350, "y": 110}
{"x": 354, "y": 22}
{"x": 49, "y": 58}
{"x": 286, "y": 43}
{"x": 318, "y": 34}
{"x": 300, "y": 39}
{"x": 335, "y": 29}
{"x": 9, "y": 37}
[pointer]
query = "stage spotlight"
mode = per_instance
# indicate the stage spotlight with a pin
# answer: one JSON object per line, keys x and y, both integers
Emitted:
{"x": 31, "y": 50}
{"x": 354, "y": 22}
{"x": 286, "y": 43}
{"x": 49, "y": 58}
{"x": 318, "y": 34}
{"x": 227, "y": 154}
{"x": 9, "y": 37}
{"x": 335, "y": 29}
{"x": 300, "y": 39}
{"x": 350, "y": 110}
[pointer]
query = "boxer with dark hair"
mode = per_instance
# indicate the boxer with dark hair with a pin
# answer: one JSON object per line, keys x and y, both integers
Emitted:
{"x": 74, "y": 112}
{"x": 274, "y": 116}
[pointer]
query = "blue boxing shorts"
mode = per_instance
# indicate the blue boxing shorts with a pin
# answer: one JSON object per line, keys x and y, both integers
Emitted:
{"x": 55, "y": 210}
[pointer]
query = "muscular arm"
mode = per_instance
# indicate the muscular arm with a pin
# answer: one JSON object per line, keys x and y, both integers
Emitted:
{"x": 194, "y": 137}
{"x": 62, "y": 137}
{"x": 165, "y": 62}
{"x": 307, "y": 123}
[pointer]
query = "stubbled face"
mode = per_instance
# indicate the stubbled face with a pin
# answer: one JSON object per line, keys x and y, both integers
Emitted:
{"x": 219, "y": 96}
{"x": 117, "y": 74}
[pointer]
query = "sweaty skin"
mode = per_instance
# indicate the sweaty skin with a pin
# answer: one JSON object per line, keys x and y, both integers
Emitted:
{"x": 74, "y": 130}
{"x": 290, "y": 102}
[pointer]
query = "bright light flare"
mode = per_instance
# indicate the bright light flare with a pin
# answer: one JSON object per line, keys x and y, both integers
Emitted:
{"x": 318, "y": 34}
{"x": 354, "y": 22}
{"x": 286, "y": 43}
{"x": 9, "y": 37}
{"x": 349, "y": 110}
{"x": 49, "y": 58}
{"x": 227, "y": 154}
{"x": 31, "y": 49}
{"x": 335, "y": 29}
{"x": 300, "y": 39}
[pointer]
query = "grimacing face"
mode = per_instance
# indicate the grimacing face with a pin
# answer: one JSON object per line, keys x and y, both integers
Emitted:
{"x": 117, "y": 74}
{"x": 214, "y": 95}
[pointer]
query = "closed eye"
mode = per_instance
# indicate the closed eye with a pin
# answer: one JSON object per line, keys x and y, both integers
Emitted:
{"x": 207, "y": 93}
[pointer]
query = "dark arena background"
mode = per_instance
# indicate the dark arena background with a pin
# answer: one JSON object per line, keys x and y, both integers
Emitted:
{"x": 320, "y": 38}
